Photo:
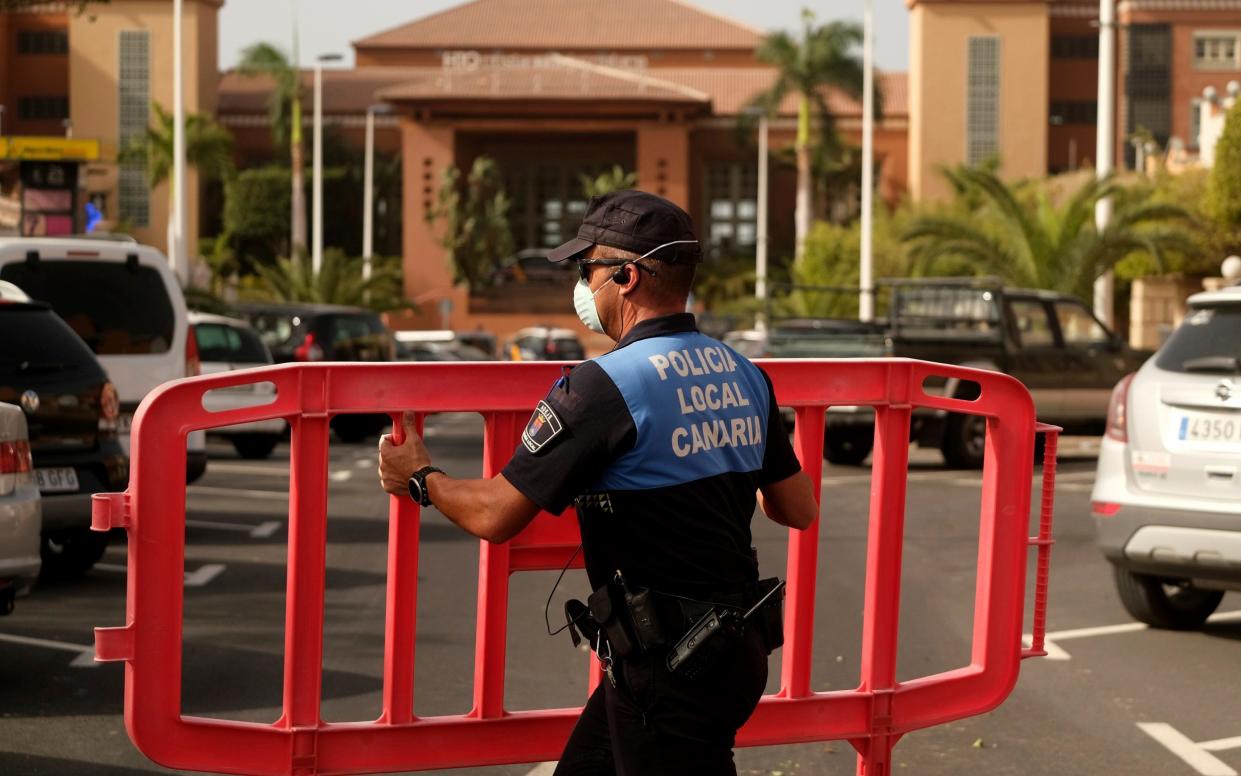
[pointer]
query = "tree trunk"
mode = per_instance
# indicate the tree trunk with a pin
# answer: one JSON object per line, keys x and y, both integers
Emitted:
{"x": 801, "y": 216}
{"x": 297, "y": 164}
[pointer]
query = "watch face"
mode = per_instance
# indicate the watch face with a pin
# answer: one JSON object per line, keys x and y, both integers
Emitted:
{"x": 415, "y": 489}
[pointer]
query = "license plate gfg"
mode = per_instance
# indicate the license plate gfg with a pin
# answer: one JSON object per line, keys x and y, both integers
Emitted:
{"x": 61, "y": 479}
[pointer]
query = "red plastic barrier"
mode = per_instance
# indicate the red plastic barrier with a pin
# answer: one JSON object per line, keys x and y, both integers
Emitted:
{"x": 872, "y": 717}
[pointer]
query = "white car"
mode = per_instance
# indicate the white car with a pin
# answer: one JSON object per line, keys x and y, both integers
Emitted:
{"x": 1167, "y": 495}
{"x": 20, "y": 517}
{"x": 226, "y": 344}
{"x": 124, "y": 300}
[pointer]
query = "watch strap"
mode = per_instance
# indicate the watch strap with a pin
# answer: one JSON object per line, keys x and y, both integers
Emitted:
{"x": 420, "y": 477}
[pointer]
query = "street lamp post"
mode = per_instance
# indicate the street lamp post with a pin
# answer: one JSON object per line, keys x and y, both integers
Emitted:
{"x": 176, "y": 247}
{"x": 368, "y": 189}
{"x": 866, "y": 302}
{"x": 1, "y": 121}
{"x": 317, "y": 207}
{"x": 1105, "y": 148}
{"x": 760, "y": 226}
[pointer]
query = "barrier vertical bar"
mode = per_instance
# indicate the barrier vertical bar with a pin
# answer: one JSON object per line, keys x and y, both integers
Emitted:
{"x": 803, "y": 563}
{"x": 881, "y": 607}
{"x": 401, "y": 615}
{"x": 499, "y": 439}
{"x": 303, "y": 666}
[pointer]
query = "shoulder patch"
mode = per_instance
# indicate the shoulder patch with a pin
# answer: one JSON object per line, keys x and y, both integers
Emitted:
{"x": 544, "y": 426}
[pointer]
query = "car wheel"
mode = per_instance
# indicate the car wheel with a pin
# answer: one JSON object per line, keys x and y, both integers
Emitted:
{"x": 1165, "y": 603}
{"x": 255, "y": 447}
{"x": 848, "y": 446}
{"x": 70, "y": 552}
{"x": 964, "y": 443}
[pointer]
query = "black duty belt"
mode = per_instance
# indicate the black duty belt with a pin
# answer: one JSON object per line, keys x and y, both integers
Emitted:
{"x": 622, "y": 622}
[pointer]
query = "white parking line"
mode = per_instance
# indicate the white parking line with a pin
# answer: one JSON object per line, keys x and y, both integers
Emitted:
{"x": 1056, "y": 652}
{"x": 249, "y": 468}
{"x": 85, "y": 655}
{"x": 208, "y": 490}
{"x": 197, "y": 578}
{"x": 344, "y": 475}
{"x": 542, "y": 769}
{"x": 260, "y": 531}
{"x": 1194, "y": 755}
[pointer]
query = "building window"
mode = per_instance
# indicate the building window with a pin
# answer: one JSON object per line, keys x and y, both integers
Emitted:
{"x": 1148, "y": 84}
{"x": 134, "y": 202}
{"x": 732, "y": 206}
{"x": 43, "y": 108}
{"x": 1075, "y": 47}
{"x": 1074, "y": 112}
{"x": 982, "y": 124}
{"x": 1216, "y": 50}
{"x": 43, "y": 42}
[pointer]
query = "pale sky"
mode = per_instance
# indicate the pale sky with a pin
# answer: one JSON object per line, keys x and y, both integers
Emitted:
{"x": 328, "y": 26}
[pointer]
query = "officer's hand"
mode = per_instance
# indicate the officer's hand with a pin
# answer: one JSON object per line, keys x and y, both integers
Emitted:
{"x": 398, "y": 462}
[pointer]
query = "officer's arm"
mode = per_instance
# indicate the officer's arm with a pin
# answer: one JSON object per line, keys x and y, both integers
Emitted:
{"x": 490, "y": 509}
{"x": 790, "y": 501}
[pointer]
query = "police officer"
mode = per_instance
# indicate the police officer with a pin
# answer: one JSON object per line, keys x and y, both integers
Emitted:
{"x": 661, "y": 445}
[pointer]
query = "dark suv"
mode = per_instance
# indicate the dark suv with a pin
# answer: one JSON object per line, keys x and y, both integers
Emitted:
{"x": 72, "y": 411}
{"x": 325, "y": 332}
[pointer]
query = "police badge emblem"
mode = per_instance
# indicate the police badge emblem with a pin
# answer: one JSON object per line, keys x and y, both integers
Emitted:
{"x": 544, "y": 426}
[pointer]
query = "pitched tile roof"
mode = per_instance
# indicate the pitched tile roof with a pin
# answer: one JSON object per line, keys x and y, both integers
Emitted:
{"x": 728, "y": 90}
{"x": 732, "y": 88}
{"x": 344, "y": 91}
{"x": 570, "y": 24}
{"x": 554, "y": 76}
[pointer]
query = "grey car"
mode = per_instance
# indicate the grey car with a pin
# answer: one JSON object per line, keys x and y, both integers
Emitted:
{"x": 1167, "y": 495}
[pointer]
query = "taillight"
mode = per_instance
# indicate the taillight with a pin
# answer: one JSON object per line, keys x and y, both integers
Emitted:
{"x": 15, "y": 457}
{"x": 1104, "y": 508}
{"x": 1118, "y": 411}
{"x": 193, "y": 366}
{"x": 109, "y": 407}
{"x": 309, "y": 350}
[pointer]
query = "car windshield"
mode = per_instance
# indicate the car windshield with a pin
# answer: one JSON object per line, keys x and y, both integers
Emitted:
{"x": 36, "y": 341}
{"x": 118, "y": 309}
{"x": 565, "y": 349}
{"x": 275, "y": 329}
{"x": 1206, "y": 342}
{"x": 223, "y": 343}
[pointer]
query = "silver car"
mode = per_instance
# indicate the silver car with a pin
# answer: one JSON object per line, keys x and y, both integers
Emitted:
{"x": 20, "y": 515}
{"x": 1167, "y": 495}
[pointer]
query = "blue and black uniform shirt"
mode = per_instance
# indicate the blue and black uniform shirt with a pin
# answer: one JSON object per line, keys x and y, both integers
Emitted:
{"x": 662, "y": 443}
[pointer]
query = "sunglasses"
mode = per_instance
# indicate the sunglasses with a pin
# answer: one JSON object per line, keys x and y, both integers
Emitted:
{"x": 583, "y": 267}
{"x": 584, "y": 273}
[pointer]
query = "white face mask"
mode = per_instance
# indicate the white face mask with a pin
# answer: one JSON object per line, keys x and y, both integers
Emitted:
{"x": 584, "y": 304}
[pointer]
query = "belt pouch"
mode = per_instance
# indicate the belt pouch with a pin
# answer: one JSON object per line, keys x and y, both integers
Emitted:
{"x": 645, "y": 619}
{"x": 608, "y": 615}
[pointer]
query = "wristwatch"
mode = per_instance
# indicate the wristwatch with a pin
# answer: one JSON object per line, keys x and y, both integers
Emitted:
{"x": 418, "y": 485}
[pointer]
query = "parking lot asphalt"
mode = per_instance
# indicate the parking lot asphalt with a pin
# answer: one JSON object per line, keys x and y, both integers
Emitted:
{"x": 1122, "y": 699}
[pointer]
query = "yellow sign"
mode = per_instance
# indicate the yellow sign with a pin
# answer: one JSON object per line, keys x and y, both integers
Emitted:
{"x": 49, "y": 149}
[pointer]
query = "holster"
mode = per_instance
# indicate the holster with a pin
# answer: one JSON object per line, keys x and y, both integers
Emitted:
{"x": 610, "y": 615}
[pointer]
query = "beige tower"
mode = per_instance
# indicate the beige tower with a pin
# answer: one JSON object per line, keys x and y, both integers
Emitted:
{"x": 977, "y": 88}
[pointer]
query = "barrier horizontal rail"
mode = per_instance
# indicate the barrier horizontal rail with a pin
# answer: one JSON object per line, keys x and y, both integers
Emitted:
{"x": 872, "y": 717}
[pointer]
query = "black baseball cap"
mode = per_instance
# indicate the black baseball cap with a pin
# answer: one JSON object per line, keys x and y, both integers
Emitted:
{"x": 635, "y": 221}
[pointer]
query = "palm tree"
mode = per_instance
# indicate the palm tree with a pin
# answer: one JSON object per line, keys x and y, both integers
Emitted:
{"x": 285, "y": 113}
{"x": 1039, "y": 244}
{"x": 825, "y": 57}
{"x": 208, "y": 147}
{"x": 339, "y": 281}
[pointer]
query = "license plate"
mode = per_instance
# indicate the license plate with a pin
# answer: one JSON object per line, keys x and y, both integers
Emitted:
{"x": 62, "y": 479}
{"x": 1208, "y": 428}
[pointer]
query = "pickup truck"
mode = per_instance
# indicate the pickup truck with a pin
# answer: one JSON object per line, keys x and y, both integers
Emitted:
{"x": 1050, "y": 341}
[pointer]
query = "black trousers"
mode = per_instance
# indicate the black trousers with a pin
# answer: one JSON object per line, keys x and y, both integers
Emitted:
{"x": 655, "y": 722}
